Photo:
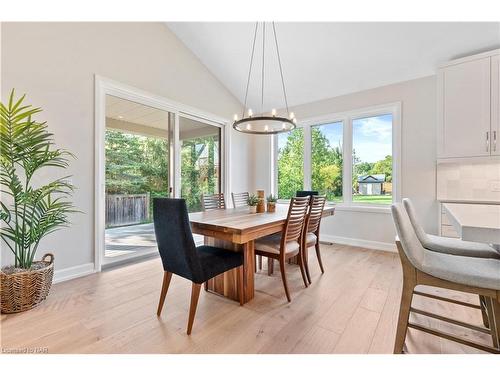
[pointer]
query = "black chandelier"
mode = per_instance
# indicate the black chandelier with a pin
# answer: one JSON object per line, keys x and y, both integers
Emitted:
{"x": 270, "y": 123}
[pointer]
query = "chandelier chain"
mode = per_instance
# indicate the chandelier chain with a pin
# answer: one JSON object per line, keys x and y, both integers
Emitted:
{"x": 281, "y": 69}
{"x": 250, "y": 68}
{"x": 263, "y": 62}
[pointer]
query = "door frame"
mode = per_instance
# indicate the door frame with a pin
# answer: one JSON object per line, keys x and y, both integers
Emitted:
{"x": 105, "y": 86}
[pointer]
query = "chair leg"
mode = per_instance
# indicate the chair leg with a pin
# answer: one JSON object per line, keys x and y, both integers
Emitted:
{"x": 306, "y": 265}
{"x": 260, "y": 262}
{"x": 241, "y": 296}
{"x": 404, "y": 315}
{"x": 283, "y": 277}
{"x": 494, "y": 317}
{"x": 270, "y": 266}
{"x": 167, "y": 276}
{"x": 482, "y": 303}
{"x": 195, "y": 294}
{"x": 318, "y": 255}
{"x": 300, "y": 256}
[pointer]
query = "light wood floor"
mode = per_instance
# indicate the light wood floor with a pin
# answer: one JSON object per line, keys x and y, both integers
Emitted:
{"x": 352, "y": 308}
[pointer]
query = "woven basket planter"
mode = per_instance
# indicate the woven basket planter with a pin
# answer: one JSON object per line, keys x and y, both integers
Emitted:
{"x": 24, "y": 290}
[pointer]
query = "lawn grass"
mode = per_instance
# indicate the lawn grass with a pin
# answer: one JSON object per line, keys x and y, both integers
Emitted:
{"x": 376, "y": 199}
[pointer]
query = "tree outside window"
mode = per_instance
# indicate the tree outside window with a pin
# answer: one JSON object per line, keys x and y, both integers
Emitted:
{"x": 290, "y": 163}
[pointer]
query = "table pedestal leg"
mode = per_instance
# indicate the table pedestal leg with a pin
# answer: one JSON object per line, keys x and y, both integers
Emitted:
{"x": 226, "y": 284}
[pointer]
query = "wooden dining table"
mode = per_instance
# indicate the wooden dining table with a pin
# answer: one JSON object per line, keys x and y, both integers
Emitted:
{"x": 236, "y": 229}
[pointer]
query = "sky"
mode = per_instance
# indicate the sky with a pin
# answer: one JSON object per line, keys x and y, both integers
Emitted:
{"x": 372, "y": 137}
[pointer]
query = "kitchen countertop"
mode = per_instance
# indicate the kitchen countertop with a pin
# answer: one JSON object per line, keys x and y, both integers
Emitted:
{"x": 466, "y": 201}
{"x": 475, "y": 222}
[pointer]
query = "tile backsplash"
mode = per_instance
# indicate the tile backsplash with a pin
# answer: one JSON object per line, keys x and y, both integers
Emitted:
{"x": 469, "y": 181}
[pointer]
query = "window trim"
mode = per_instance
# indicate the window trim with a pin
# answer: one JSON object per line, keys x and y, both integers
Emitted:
{"x": 347, "y": 117}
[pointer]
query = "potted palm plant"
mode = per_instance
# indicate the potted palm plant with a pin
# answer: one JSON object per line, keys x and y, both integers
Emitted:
{"x": 271, "y": 203}
{"x": 252, "y": 202}
{"x": 29, "y": 211}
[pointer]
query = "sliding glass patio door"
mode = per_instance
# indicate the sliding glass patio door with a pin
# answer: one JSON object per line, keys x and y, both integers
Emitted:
{"x": 148, "y": 148}
{"x": 137, "y": 158}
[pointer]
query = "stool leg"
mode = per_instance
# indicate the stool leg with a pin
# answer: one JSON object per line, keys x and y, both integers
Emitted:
{"x": 482, "y": 303}
{"x": 492, "y": 307}
{"x": 404, "y": 315}
{"x": 496, "y": 316}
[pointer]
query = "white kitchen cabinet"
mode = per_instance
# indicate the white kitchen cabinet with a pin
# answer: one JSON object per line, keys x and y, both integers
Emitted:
{"x": 495, "y": 105}
{"x": 468, "y": 107}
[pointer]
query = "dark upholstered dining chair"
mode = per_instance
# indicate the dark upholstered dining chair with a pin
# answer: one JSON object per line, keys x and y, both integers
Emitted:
{"x": 180, "y": 255}
{"x": 306, "y": 193}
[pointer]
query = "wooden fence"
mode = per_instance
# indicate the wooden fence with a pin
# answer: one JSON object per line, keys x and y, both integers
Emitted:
{"x": 126, "y": 209}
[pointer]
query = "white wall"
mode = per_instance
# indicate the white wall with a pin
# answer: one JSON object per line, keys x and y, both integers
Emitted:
{"x": 55, "y": 63}
{"x": 418, "y": 158}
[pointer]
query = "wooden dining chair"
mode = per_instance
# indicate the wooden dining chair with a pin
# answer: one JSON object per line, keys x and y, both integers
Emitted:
{"x": 421, "y": 266}
{"x": 213, "y": 202}
{"x": 285, "y": 245}
{"x": 180, "y": 256}
{"x": 240, "y": 199}
{"x": 310, "y": 237}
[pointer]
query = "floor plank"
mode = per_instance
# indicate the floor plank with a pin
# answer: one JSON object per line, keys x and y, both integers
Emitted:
{"x": 351, "y": 308}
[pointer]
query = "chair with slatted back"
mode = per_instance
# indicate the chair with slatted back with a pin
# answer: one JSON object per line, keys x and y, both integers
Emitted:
{"x": 311, "y": 231}
{"x": 240, "y": 199}
{"x": 213, "y": 202}
{"x": 285, "y": 245}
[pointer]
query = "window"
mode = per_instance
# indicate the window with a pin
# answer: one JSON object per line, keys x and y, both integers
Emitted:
{"x": 290, "y": 163}
{"x": 327, "y": 160}
{"x": 350, "y": 160}
{"x": 372, "y": 159}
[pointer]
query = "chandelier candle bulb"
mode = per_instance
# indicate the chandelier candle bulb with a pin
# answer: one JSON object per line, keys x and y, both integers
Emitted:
{"x": 250, "y": 113}
{"x": 273, "y": 112}
{"x": 235, "y": 117}
{"x": 292, "y": 115}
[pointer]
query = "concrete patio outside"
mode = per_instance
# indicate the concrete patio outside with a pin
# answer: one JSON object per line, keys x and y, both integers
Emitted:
{"x": 133, "y": 239}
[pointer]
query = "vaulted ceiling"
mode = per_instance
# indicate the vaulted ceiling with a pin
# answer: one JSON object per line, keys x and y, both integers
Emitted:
{"x": 323, "y": 60}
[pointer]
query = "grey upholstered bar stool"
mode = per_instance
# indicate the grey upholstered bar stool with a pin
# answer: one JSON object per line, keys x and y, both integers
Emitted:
{"x": 452, "y": 246}
{"x": 421, "y": 266}
{"x": 446, "y": 245}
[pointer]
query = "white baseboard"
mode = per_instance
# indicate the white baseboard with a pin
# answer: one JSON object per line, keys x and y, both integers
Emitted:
{"x": 375, "y": 245}
{"x": 73, "y": 272}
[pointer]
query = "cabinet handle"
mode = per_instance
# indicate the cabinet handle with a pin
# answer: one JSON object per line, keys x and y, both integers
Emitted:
{"x": 494, "y": 140}
{"x": 487, "y": 141}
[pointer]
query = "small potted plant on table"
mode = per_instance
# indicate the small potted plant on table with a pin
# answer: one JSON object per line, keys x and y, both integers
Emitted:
{"x": 252, "y": 202}
{"x": 28, "y": 211}
{"x": 271, "y": 203}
